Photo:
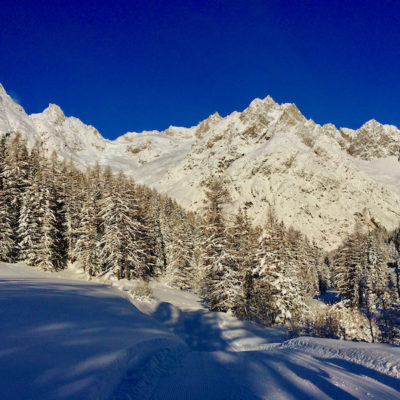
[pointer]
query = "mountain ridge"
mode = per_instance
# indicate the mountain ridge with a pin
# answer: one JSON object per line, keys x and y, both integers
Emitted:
{"x": 319, "y": 178}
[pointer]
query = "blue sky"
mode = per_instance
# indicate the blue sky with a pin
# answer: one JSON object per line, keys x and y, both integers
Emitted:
{"x": 134, "y": 65}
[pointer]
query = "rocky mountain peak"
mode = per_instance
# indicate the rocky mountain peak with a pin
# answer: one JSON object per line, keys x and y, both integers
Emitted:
{"x": 371, "y": 124}
{"x": 374, "y": 140}
{"x": 53, "y": 113}
{"x": 214, "y": 117}
{"x": 2, "y": 91}
{"x": 262, "y": 103}
{"x": 261, "y": 106}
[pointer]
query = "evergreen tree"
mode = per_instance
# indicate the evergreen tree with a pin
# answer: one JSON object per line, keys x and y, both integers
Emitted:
{"x": 243, "y": 242}
{"x": 3, "y": 152}
{"x": 29, "y": 224}
{"x": 6, "y": 229}
{"x": 348, "y": 269}
{"x": 76, "y": 188}
{"x": 118, "y": 249}
{"x": 180, "y": 267}
{"x": 279, "y": 296}
{"x": 14, "y": 180}
{"x": 87, "y": 244}
{"x": 48, "y": 246}
{"x": 217, "y": 260}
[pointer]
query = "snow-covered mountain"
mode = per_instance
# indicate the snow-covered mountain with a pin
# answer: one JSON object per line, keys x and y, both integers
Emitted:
{"x": 320, "y": 179}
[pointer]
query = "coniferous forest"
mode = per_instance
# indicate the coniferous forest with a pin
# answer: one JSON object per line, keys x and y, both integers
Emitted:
{"x": 53, "y": 214}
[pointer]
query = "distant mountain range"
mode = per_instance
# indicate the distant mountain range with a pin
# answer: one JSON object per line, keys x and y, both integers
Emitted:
{"x": 319, "y": 179}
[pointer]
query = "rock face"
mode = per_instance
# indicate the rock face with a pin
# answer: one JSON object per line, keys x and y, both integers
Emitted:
{"x": 319, "y": 179}
{"x": 374, "y": 140}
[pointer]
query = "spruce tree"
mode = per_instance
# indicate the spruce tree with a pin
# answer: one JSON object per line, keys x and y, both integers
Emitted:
{"x": 348, "y": 273}
{"x": 243, "y": 243}
{"x": 279, "y": 296}
{"x": 29, "y": 224}
{"x": 15, "y": 179}
{"x": 180, "y": 267}
{"x": 6, "y": 228}
{"x": 48, "y": 246}
{"x": 118, "y": 249}
{"x": 217, "y": 259}
{"x": 86, "y": 246}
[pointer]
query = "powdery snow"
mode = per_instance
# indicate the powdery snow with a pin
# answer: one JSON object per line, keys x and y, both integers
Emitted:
{"x": 69, "y": 339}
{"x": 64, "y": 338}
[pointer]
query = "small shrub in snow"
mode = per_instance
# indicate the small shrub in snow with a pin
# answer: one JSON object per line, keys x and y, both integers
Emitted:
{"x": 340, "y": 322}
{"x": 142, "y": 290}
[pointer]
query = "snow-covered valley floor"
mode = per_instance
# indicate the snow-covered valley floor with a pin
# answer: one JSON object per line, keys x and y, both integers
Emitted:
{"x": 64, "y": 338}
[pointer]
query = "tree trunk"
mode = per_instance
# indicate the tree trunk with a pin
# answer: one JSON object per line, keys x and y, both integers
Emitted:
{"x": 127, "y": 271}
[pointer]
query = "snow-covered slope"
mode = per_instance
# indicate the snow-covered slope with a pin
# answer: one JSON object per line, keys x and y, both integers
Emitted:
{"x": 320, "y": 179}
{"x": 70, "y": 339}
{"x": 62, "y": 338}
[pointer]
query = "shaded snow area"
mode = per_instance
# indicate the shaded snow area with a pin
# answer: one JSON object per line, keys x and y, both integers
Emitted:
{"x": 64, "y": 338}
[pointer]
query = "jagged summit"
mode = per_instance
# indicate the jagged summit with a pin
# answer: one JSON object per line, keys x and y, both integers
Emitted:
{"x": 52, "y": 113}
{"x": 257, "y": 102}
{"x": 2, "y": 90}
{"x": 215, "y": 115}
{"x": 53, "y": 109}
{"x": 320, "y": 179}
{"x": 372, "y": 123}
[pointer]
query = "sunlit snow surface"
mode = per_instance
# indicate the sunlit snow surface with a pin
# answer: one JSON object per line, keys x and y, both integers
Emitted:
{"x": 63, "y": 338}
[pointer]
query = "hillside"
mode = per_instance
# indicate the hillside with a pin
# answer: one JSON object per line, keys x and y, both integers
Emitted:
{"x": 319, "y": 179}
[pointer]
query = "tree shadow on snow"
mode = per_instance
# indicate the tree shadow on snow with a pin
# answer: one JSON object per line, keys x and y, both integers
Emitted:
{"x": 61, "y": 339}
{"x": 362, "y": 371}
{"x": 199, "y": 329}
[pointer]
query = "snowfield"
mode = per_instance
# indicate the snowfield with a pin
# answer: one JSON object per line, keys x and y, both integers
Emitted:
{"x": 65, "y": 338}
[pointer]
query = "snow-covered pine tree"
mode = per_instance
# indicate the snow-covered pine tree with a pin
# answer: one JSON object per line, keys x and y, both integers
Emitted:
{"x": 138, "y": 267}
{"x": 394, "y": 240}
{"x": 376, "y": 264}
{"x": 59, "y": 188}
{"x": 119, "y": 230}
{"x": 265, "y": 273}
{"x": 3, "y": 152}
{"x": 85, "y": 248}
{"x": 305, "y": 256}
{"x": 48, "y": 246}
{"x": 218, "y": 285}
{"x": 278, "y": 294}
{"x": 321, "y": 262}
{"x": 157, "y": 215}
{"x": 376, "y": 291}
{"x": 147, "y": 215}
{"x": 6, "y": 231}
{"x": 48, "y": 256}
{"x": 15, "y": 179}
{"x": 75, "y": 188}
{"x": 348, "y": 276}
{"x": 30, "y": 217}
{"x": 244, "y": 244}
{"x": 180, "y": 270}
